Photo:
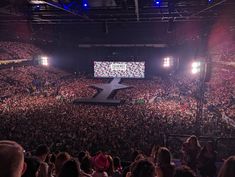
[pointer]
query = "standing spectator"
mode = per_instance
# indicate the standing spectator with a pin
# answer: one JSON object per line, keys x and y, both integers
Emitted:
{"x": 228, "y": 168}
{"x": 192, "y": 152}
{"x": 50, "y": 160}
{"x": 81, "y": 155}
{"x": 206, "y": 161}
{"x": 70, "y": 168}
{"x": 143, "y": 168}
{"x": 86, "y": 166}
{"x": 11, "y": 159}
{"x": 101, "y": 165}
{"x": 134, "y": 156}
{"x": 117, "y": 167}
{"x": 184, "y": 171}
{"x": 165, "y": 168}
{"x": 61, "y": 158}
{"x": 41, "y": 154}
{"x": 32, "y": 167}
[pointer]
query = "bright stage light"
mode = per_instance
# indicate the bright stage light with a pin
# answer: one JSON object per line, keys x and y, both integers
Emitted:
{"x": 44, "y": 61}
{"x": 167, "y": 62}
{"x": 44, "y": 58}
{"x": 85, "y": 4}
{"x": 157, "y": 2}
{"x": 196, "y": 67}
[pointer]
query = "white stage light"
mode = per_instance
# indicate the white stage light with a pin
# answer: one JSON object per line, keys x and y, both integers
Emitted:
{"x": 196, "y": 67}
{"x": 167, "y": 62}
{"x": 44, "y": 61}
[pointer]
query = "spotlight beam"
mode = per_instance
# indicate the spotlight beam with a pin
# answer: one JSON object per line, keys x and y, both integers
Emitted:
{"x": 214, "y": 5}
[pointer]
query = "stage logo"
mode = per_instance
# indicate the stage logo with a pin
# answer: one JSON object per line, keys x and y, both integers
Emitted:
{"x": 118, "y": 67}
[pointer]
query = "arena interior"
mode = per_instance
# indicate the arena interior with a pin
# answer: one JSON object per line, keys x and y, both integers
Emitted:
{"x": 114, "y": 87}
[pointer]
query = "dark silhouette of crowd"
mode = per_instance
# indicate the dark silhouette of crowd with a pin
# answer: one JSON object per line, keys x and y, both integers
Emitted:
{"x": 41, "y": 162}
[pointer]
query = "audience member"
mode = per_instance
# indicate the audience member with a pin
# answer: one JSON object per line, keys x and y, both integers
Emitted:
{"x": 11, "y": 159}
{"x": 101, "y": 165}
{"x": 86, "y": 166}
{"x": 117, "y": 167}
{"x": 207, "y": 160}
{"x": 192, "y": 152}
{"x": 184, "y": 171}
{"x": 228, "y": 168}
{"x": 165, "y": 168}
{"x": 143, "y": 168}
{"x": 33, "y": 165}
{"x": 61, "y": 158}
{"x": 41, "y": 154}
{"x": 70, "y": 168}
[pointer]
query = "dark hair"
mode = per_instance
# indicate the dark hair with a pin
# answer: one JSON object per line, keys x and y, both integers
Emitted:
{"x": 33, "y": 165}
{"x": 61, "y": 158}
{"x": 143, "y": 168}
{"x": 164, "y": 156}
{"x": 184, "y": 171}
{"x": 86, "y": 164}
{"x": 53, "y": 158}
{"x": 70, "y": 168}
{"x": 164, "y": 162}
{"x": 81, "y": 155}
{"x": 228, "y": 168}
{"x": 42, "y": 150}
{"x": 116, "y": 162}
{"x": 195, "y": 140}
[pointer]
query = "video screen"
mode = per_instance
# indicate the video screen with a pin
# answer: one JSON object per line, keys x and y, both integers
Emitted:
{"x": 119, "y": 69}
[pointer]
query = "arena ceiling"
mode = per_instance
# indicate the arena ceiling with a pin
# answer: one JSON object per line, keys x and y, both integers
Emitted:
{"x": 93, "y": 11}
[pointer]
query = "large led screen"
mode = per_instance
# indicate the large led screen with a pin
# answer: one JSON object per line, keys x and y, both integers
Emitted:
{"x": 119, "y": 69}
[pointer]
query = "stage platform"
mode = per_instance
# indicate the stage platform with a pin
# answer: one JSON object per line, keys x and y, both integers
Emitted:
{"x": 105, "y": 93}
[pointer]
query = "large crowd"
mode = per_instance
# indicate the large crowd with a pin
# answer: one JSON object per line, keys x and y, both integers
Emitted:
{"x": 17, "y": 50}
{"x": 36, "y": 107}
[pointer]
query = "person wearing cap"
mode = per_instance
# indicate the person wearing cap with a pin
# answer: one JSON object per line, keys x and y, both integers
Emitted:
{"x": 11, "y": 159}
{"x": 101, "y": 164}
